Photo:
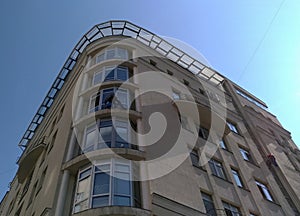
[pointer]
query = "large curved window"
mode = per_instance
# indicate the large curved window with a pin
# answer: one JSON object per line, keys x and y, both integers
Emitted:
{"x": 110, "y": 73}
{"x": 109, "y": 98}
{"x": 108, "y": 133}
{"x": 112, "y": 53}
{"x": 107, "y": 183}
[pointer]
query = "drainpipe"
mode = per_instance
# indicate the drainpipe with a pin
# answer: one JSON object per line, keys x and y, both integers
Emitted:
{"x": 60, "y": 204}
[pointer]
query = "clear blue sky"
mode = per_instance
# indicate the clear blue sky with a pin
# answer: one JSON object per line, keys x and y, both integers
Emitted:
{"x": 244, "y": 40}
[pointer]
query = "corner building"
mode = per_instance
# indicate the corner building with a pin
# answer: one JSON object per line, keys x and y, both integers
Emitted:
{"x": 86, "y": 151}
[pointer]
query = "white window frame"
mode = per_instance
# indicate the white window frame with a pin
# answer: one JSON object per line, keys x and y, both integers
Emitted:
{"x": 96, "y": 126}
{"x": 116, "y": 54}
{"x": 112, "y": 170}
{"x": 106, "y": 68}
{"x": 92, "y": 107}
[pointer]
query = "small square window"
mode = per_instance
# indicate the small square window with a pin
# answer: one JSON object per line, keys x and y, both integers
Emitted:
{"x": 237, "y": 178}
{"x": 209, "y": 204}
{"x": 153, "y": 63}
{"x": 232, "y": 127}
{"x": 203, "y": 133}
{"x": 170, "y": 72}
{"x": 176, "y": 95}
{"x": 186, "y": 82}
{"x": 246, "y": 154}
{"x": 223, "y": 144}
{"x": 194, "y": 157}
{"x": 217, "y": 168}
{"x": 264, "y": 191}
{"x": 231, "y": 210}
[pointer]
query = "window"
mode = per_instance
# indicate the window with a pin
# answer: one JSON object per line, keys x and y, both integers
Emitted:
{"x": 41, "y": 181}
{"x": 209, "y": 205}
{"x": 110, "y": 73}
{"x": 52, "y": 141}
{"x": 176, "y": 95}
{"x": 108, "y": 98}
{"x": 216, "y": 168}
{"x": 107, "y": 183}
{"x": 203, "y": 133}
{"x": 264, "y": 191}
{"x": 237, "y": 177}
{"x": 32, "y": 194}
{"x": 231, "y": 210}
{"x": 246, "y": 155}
{"x": 232, "y": 127}
{"x": 185, "y": 123}
{"x": 106, "y": 134}
{"x": 223, "y": 144}
{"x": 112, "y": 53}
{"x": 153, "y": 63}
{"x": 194, "y": 157}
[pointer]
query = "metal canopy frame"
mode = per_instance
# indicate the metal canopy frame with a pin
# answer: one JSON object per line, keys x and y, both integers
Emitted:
{"x": 116, "y": 28}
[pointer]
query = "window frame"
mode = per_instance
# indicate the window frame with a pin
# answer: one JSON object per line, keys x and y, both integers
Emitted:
{"x": 217, "y": 167}
{"x": 237, "y": 178}
{"x": 233, "y": 127}
{"x": 99, "y": 103}
{"x": 234, "y": 210}
{"x": 208, "y": 198}
{"x": 116, "y": 55}
{"x": 223, "y": 144}
{"x": 264, "y": 190}
{"x": 114, "y": 123}
{"x": 103, "y": 75}
{"x": 113, "y": 163}
{"x": 246, "y": 155}
{"x": 194, "y": 154}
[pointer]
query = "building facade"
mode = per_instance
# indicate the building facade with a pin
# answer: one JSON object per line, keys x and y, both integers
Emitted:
{"x": 135, "y": 126}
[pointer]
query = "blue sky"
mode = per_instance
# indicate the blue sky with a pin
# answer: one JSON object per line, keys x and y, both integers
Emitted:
{"x": 254, "y": 43}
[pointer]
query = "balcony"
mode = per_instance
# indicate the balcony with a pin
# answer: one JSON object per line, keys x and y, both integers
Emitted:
{"x": 29, "y": 158}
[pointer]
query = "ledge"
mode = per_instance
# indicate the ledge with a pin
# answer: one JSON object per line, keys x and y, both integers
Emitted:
{"x": 88, "y": 118}
{"x": 114, "y": 211}
{"x": 109, "y": 84}
{"x": 81, "y": 160}
{"x": 27, "y": 161}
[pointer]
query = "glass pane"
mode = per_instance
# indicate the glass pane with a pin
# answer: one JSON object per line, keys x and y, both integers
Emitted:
{"x": 100, "y": 201}
{"x": 102, "y": 168}
{"x": 121, "y": 200}
{"x": 121, "y": 100}
{"x": 98, "y": 78}
{"x": 91, "y": 138}
{"x": 83, "y": 190}
{"x": 122, "y": 167}
{"x": 110, "y": 54}
{"x": 81, "y": 206}
{"x": 100, "y": 58}
{"x": 107, "y": 98}
{"x": 121, "y": 184}
{"x": 85, "y": 173}
{"x": 122, "y": 73}
{"x": 105, "y": 135}
{"x": 122, "y": 134}
{"x": 101, "y": 183}
{"x": 122, "y": 53}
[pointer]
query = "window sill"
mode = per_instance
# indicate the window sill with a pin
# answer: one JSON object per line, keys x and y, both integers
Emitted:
{"x": 226, "y": 150}
{"x": 245, "y": 189}
{"x": 115, "y": 210}
{"x": 253, "y": 163}
{"x": 199, "y": 167}
{"x": 222, "y": 178}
